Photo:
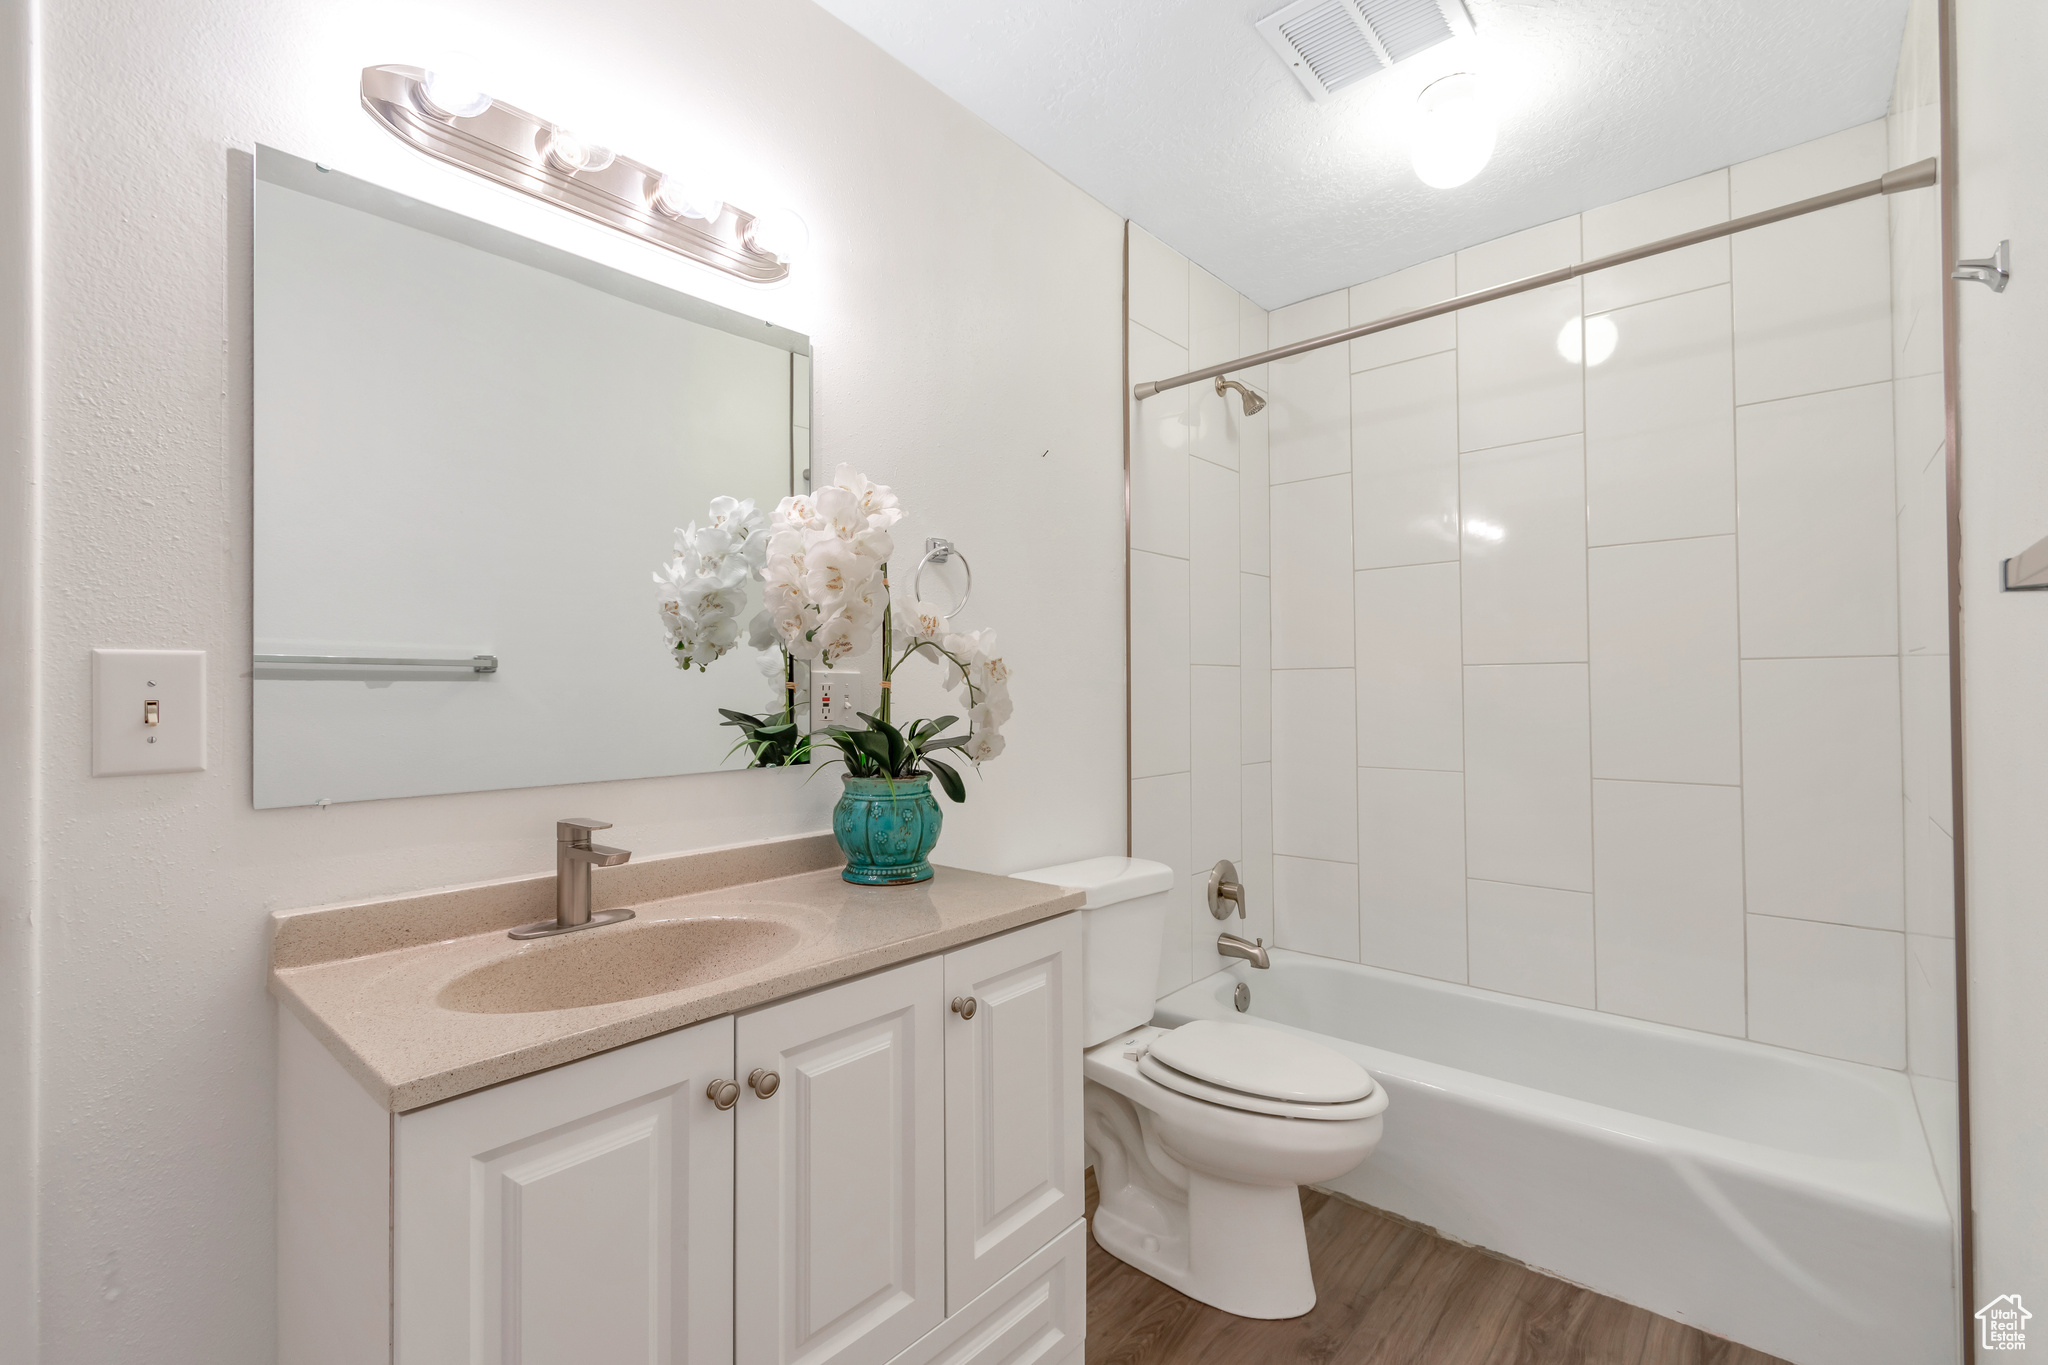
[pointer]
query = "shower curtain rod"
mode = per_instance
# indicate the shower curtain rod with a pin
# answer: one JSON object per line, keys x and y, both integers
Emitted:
{"x": 1917, "y": 176}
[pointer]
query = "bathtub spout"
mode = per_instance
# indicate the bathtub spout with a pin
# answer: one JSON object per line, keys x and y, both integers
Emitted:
{"x": 1230, "y": 945}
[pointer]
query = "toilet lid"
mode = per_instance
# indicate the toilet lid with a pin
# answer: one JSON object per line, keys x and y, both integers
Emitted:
{"x": 1152, "y": 1069}
{"x": 1261, "y": 1062}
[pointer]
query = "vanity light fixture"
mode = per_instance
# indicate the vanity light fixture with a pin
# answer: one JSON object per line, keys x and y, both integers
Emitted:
{"x": 1453, "y": 133}
{"x": 446, "y": 114}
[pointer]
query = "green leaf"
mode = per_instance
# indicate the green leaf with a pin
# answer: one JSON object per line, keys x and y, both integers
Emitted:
{"x": 950, "y": 742}
{"x": 950, "y": 780}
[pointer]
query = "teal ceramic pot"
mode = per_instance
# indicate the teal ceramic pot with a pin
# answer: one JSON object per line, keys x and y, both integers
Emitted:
{"x": 886, "y": 827}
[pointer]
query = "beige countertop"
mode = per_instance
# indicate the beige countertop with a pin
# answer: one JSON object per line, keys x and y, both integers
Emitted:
{"x": 377, "y": 981}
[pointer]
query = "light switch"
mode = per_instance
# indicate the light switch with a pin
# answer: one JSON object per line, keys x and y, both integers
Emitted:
{"x": 148, "y": 711}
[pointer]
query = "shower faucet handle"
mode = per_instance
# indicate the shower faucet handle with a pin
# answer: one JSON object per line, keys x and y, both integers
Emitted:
{"x": 1225, "y": 890}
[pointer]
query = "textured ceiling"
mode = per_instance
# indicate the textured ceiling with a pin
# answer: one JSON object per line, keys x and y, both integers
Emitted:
{"x": 1177, "y": 114}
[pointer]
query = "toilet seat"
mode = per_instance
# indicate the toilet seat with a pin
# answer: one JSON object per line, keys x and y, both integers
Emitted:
{"x": 1260, "y": 1071}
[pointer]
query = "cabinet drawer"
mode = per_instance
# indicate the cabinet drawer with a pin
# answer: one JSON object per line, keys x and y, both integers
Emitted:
{"x": 1035, "y": 1315}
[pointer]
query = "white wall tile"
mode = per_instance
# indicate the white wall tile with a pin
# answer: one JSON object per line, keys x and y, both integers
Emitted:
{"x": 1923, "y": 705}
{"x": 1315, "y": 907}
{"x": 1525, "y": 553}
{"x": 1212, "y": 563}
{"x": 1404, "y": 462}
{"x": 1159, "y": 292}
{"x": 1253, "y": 327}
{"x": 1828, "y": 988}
{"x": 1518, "y": 255}
{"x": 1667, "y": 895}
{"x": 1931, "y": 1006}
{"x": 1308, "y": 429}
{"x": 1256, "y": 871}
{"x": 1218, "y": 813}
{"x": 1315, "y": 786}
{"x": 1930, "y": 875}
{"x": 1410, "y": 686}
{"x": 1818, "y": 537}
{"x": 1532, "y": 941}
{"x": 1922, "y": 483}
{"x": 1213, "y": 328}
{"x": 1312, "y": 573}
{"x": 1255, "y": 653}
{"x": 1812, "y": 294}
{"x": 1821, "y": 790}
{"x": 1161, "y": 812}
{"x": 1660, "y": 424}
{"x": 1666, "y": 212}
{"x": 1159, "y": 664}
{"x": 1528, "y": 785}
{"x": 1411, "y": 871}
{"x": 1667, "y": 690}
{"x": 1940, "y": 1106}
{"x": 1159, "y": 451}
{"x": 1255, "y": 517}
{"x": 1514, "y": 382}
{"x": 1416, "y": 287}
{"x": 1918, "y": 273}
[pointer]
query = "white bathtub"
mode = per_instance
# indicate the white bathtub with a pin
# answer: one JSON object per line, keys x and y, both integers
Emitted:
{"x": 1788, "y": 1202}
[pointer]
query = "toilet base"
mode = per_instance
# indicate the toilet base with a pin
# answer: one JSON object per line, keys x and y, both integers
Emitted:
{"x": 1237, "y": 1247}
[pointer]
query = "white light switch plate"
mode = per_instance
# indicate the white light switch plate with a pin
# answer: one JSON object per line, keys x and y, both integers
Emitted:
{"x": 124, "y": 682}
{"x": 835, "y": 696}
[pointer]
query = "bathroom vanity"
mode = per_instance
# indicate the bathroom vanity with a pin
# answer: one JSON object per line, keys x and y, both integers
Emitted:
{"x": 772, "y": 1118}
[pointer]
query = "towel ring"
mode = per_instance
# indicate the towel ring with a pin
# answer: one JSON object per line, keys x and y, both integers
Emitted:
{"x": 940, "y": 551}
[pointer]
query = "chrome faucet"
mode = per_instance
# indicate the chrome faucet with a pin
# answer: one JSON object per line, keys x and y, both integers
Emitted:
{"x": 1225, "y": 893}
{"x": 575, "y": 855}
{"x": 1230, "y": 945}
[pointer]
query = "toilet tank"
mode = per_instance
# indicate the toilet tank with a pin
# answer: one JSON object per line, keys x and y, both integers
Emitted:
{"x": 1123, "y": 924}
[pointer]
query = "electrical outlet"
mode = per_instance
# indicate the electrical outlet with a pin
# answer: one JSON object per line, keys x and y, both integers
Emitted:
{"x": 148, "y": 711}
{"x": 835, "y": 696}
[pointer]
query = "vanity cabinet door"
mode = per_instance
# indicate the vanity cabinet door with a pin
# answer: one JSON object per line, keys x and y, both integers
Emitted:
{"x": 1013, "y": 1101}
{"x": 839, "y": 1234}
{"x": 579, "y": 1215}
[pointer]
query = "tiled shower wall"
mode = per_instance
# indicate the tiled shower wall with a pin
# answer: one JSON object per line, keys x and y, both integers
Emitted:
{"x": 1201, "y": 769}
{"x": 1596, "y": 683}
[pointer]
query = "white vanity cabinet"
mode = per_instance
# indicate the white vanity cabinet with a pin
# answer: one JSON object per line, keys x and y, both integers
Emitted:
{"x": 906, "y": 1192}
{"x": 583, "y": 1214}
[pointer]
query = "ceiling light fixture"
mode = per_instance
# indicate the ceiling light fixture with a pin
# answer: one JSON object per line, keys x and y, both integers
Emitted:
{"x": 1453, "y": 134}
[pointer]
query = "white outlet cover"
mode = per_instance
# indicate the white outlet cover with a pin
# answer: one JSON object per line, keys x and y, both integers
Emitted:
{"x": 837, "y": 697}
{"x": 124, "y": 682}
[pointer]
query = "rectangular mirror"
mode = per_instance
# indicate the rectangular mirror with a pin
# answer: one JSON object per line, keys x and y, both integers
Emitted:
{"x": 472, "y": 452}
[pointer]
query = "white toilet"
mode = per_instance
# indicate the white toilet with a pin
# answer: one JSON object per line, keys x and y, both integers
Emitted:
{"x": 1201, "y": 1135}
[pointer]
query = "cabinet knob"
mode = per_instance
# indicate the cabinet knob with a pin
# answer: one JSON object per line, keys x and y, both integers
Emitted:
{"x": 964, "y": 1006}
{"x": 724, "y": 1094}
{"x": 765, "y": 1082}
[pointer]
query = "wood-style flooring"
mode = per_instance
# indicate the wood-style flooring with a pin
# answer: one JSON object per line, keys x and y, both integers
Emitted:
{"x": 1390, "y": 1293}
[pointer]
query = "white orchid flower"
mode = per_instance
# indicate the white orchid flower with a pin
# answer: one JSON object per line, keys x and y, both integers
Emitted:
{"x": 984, "y": 746}
{"x": 920, "y": 622}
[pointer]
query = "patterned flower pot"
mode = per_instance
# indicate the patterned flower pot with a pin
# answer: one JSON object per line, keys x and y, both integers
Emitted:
{"x": 885, "y": 826}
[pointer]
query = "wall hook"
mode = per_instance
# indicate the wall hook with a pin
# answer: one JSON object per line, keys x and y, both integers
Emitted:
{"x": 1994, "y": 270}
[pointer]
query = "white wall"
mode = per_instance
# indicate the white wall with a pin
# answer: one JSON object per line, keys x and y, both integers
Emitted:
{"x": 2002, "y": 180}
{"x": 1201, "y": 769}
{"x": 1587, "y": 677}
{"x": 964, "y": 305}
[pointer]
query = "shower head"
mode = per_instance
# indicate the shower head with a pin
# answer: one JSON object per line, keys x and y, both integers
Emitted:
{"x": 1252, "y": 402}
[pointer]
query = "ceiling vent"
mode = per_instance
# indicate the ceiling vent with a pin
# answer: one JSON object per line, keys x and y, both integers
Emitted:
{"x": 1329, "y": 44}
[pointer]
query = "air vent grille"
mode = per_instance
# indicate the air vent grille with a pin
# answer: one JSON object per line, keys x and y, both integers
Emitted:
{"x": 1330, "y": 44}
{"x": 1333, "y": 44}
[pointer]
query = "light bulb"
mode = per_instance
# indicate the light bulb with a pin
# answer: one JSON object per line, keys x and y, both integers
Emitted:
{"x": 1599, "y": 338}
{"x": 1453, "y": 131}
{"x": 686, "y": 199}
{"x": 567, "y": 152}
{"x": 779, "y": 233}
{"x": 452, "y": 89}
